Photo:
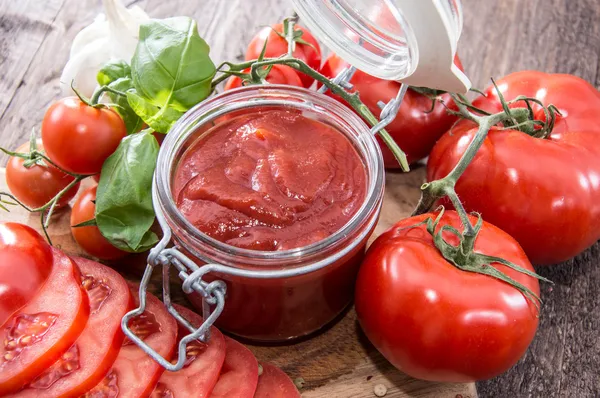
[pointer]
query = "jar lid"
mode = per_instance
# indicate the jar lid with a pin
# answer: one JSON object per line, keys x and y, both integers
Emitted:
{"x": 407, "y": 40}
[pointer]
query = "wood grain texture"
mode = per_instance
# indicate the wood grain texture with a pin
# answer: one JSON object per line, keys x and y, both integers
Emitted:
{"x": 499, "y": 37}
{"x": 339, "y": 361}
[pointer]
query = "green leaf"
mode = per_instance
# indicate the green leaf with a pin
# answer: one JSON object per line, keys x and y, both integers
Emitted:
{"x": 171, "y": 66}
{"x": 87, "y": 223}
{"x": 158, "y": 119}
{"x": 124, "y": 211}
{"x": 133, "y": 122}
{"x": 112, "y": 71}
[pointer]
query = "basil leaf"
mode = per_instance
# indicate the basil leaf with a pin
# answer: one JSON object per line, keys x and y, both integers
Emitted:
{"x": 124, "y": 211}
{"x": 112, "y": 71}
{"x": 171, "y": 65}
{"x": 158, "y": 119}
{"x": 133, "y": 122}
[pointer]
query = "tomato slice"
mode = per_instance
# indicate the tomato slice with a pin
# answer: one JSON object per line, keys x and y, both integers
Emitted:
{"x": 41, "y": 332}
{"x": 239, "y": 374}
{"x": 85, "y": 364}
{"x": 134, "y": 374}
{"x": 274, "y": 383}
{"x": 25, "y": 264}
{"x": 202, "y": 367}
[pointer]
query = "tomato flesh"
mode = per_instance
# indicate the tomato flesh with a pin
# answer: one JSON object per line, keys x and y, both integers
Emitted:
{"x": 37, "y": 185}
{"x": 274, "y": 383}
{"x": 202, "y": 366}
{"x": 436, "y": 322}
{"x": 86, "y": 363}
{"x": 134, "y": 374}
{"x": 25, "y": 264}
{"x": 89, "y": 238}
{"x": 239, "y": 374}
{"x": 41, "y": 332}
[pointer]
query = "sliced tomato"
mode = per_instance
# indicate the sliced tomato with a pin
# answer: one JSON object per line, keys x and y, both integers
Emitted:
{"x": 202, "y": 367}
{"x": 274, "y": 383}
{"x": 85, "y": 364}
{"x": 239, "y": 374}
{"x": 38, "y": 334}
{"x": 134, "y": 373}
{"x": 25, "y": 264}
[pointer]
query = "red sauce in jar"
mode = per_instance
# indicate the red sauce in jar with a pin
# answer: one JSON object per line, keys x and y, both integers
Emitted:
{"x": 270, "y": 180}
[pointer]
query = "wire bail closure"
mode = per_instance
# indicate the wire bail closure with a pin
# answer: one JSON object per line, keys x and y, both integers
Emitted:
{"x": 214, "y": 293}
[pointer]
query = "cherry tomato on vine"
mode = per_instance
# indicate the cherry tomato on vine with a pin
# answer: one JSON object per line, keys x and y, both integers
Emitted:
{"x": 435, "y": 321}
{"x": 89, "y": 237}
{"x": 279, "y": 74}
{"x": 38, "y": 184}
{"x": 545, "y": 192}
{"x": 37, "y": 335}
{"x": 25, "y": 263}
{"x": 417, "y": 126}
{"x": 79, "y": 137}
{"x": 278, "y": 45}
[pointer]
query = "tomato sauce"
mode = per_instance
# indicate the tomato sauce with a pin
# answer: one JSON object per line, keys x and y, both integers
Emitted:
{"x": 270, "y": 180}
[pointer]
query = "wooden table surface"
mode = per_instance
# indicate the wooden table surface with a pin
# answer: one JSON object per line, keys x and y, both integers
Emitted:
{"x": 500, "y": 36}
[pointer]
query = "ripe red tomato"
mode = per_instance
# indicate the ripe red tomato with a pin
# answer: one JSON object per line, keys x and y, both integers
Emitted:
{"x": 78, "y": 137}
{"x": 134, "y": 373}
{"x": 436, "y": 322}
{"x": 274, "y": 383}
{"x": 38, "y": 334}
{"x": 37, "y": 185}
{"x": 89, "y": 238}
{"x": 277, "y": 46}
{"x": 203, "y": 363}
{"x": 239, "y": 374}
{"x": 84, "y": 365}
{"x": 415, "y": 128}
{"x": 279, "y": 74}
{"x": 25, "y": 264}
{"x": 543, "y": 192}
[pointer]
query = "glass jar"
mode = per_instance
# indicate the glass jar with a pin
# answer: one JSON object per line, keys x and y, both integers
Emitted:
{"x": 276, "y": 309}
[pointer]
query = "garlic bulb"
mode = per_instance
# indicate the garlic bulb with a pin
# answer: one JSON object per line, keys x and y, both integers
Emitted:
{"x": 113, "y": 35}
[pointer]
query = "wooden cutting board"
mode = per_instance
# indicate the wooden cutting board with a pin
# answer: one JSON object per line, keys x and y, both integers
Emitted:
{"x": 339, "y": 362}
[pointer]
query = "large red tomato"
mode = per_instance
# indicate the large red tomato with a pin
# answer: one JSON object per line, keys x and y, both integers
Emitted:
{"x": 38, "y": 184}
{"x": 436, "y": 322}
{"x": 25, "y": 263}
{"x": 78, "y": 137}
{"x": 416, "y": 127}
{"x": 277, "y": 46}
{"x": 543, "y": 192}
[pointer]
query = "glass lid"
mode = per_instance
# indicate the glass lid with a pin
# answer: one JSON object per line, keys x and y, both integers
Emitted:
{"x": 409, "y": 40}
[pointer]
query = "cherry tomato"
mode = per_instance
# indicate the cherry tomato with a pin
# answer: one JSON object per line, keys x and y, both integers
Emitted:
{"x": 135, "y": 374}
{"x": 203, "y": 363}
{"x": 277, "y": 46}
{"x": 239, "y": 374}
{"x": 417, "y": 126}
{"x": 89, "y": 238}
{"x": 25, "y": 264}
{"x": 543, "y": 192}
{"x": 38, "y": 334}
{"x": 436, "y": 322}
{"x": 84, "y": 365}
{"x": 274, "y": 383}
{"x": 78, "y": 137}
{"x": 37, "y": 185}
{"x": 279, "y": 74}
